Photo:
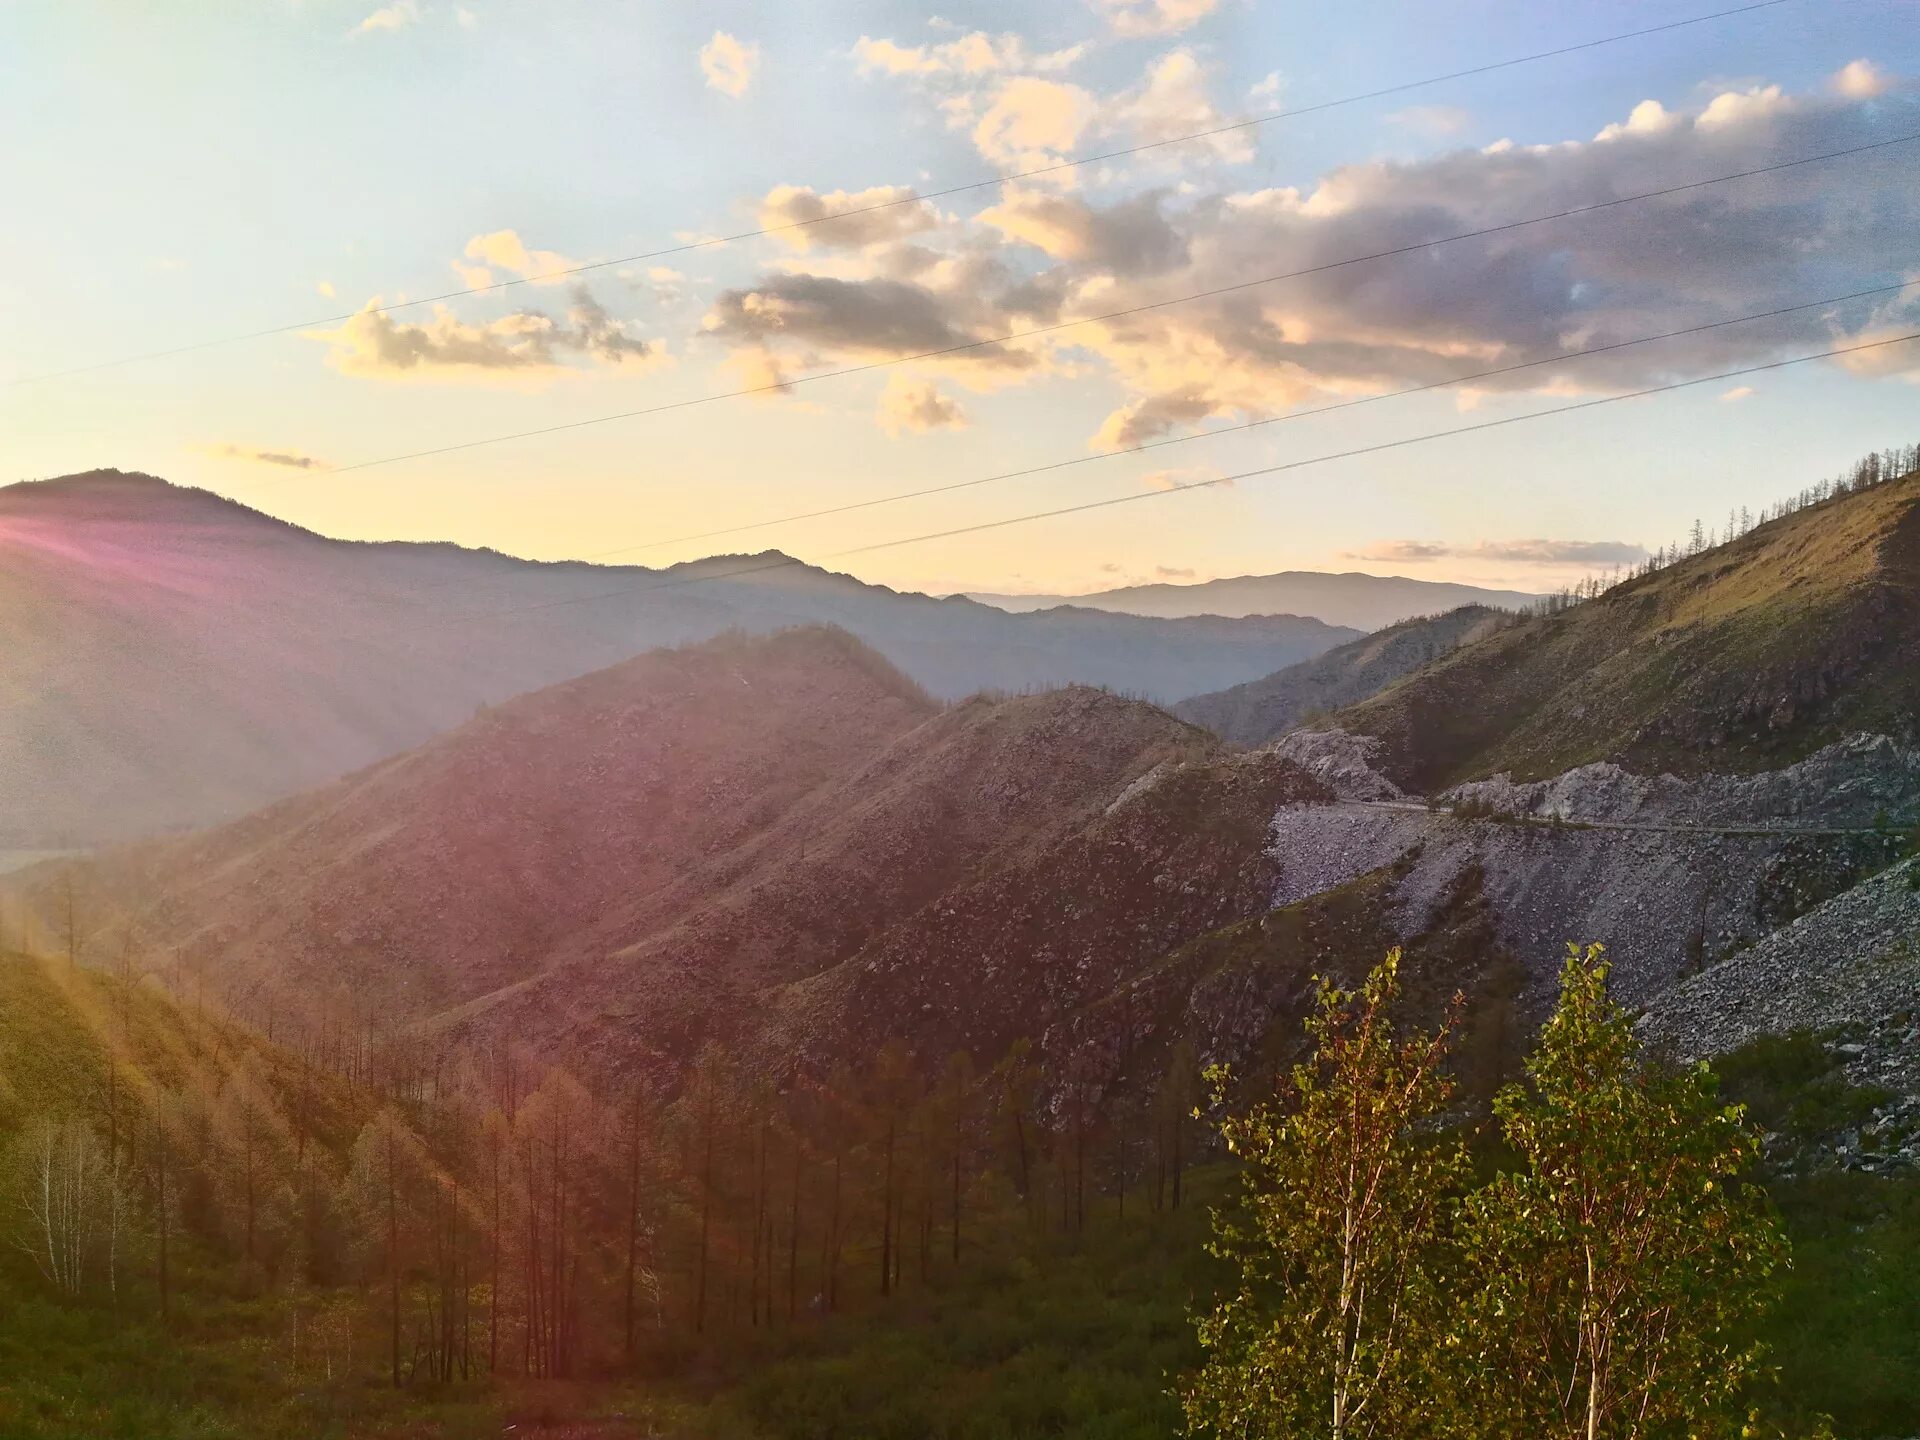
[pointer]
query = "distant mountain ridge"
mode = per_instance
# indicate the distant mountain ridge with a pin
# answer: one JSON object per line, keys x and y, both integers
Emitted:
{"x": 1265, "y": 709}
{"x": 173, "y": 658}
{"x": 1362, "y": 601}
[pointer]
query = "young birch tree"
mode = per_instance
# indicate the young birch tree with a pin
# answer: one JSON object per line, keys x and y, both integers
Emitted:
{"x": 1339, "y": 1310}
{"x": 1623, "y": 1264}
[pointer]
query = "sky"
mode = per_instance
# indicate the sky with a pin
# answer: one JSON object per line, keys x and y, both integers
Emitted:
{"x": 194, "y": 172}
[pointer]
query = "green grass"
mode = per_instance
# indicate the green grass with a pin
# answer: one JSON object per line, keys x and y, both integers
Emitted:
{"x": 1847, "y": 1335}
{"x": 1081, "y": 1343}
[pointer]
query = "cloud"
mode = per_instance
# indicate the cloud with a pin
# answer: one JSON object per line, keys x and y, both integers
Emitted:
{"x": 1353, "y": 329}
{"x": 1861, "y": 80}
{"x": 376, "y": 345}
{"x": 1649, "y": 117}
{"x": 1153, "y": 17}
{"x": 1154, "y": 415}
{"x": 1033, "y": 122}
{"x": 728, "y": 65}
{"x": 879, "y": 213}
{"x": 1173, "y": 572}
{"x": 974, "y": 54}
{"x": 1525, "y": 552}
{"x": 869, "y": 318}
{"x": 913, "y": 407}
{"x": 1184, "y": 478}
{"x": 1172, "y": 100}
{"x": 397, "y": 16}
{"x": 1433, "y": 119}
{"x": 1738, "y": 392}
{"x": 1265, "y": 93}
{"x": 1129, "y": 238}
{"x": 325, "y": 287}
{"x": 1339, "y": 330}
{"x": 287, "y": 459}
{"x": 505, "y": 250}
{"x": 661, "y": 282}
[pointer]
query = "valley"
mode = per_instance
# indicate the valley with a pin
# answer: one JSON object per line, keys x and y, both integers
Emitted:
{"x": 767, "y": 900}
{"x": 1142, "y": 720}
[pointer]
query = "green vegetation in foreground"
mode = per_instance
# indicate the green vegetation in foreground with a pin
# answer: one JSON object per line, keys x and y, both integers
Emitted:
{"x": 1040, "y": 1334}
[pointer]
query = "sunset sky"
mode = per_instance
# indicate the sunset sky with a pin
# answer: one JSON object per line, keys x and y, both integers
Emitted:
{"x": 182, "y": 173}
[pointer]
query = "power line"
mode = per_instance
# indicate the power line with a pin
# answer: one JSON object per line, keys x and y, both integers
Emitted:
{"x": 1057, "y": 326}
{"x": 1149, "y": 445}
{"x": 788, "y": 562}
{"x": 713, "y": 241}
{"x": 1146, "y": 445}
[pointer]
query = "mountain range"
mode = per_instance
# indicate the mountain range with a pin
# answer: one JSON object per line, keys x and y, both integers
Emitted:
{"x": 1365, "y": 602}
{"x": 175, "y": 658}
{"x": 784, "y": 844}
{"x": 1265, "y": 709}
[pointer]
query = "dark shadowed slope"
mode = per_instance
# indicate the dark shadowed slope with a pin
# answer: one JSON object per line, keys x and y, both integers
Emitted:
{"x": 172, "y": 658}
{"x": 1366, "y": 602}
{"x": 462, "y": 866}
{"x": 777, "y": 843}
{"x": 1262, "y": 710}
{"x": 1749, "y": 655}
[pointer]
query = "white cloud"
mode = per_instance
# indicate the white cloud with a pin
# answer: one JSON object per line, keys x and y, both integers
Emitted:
{"x": 1737, "y": 108}
{"x": 974, "y": 54}
{"x": 325, "y": 287}
{"x": 1154, "y": 17}
{"x": 1737, "y": 393}
{"x": 1861, "y": 80}
{"x": 1649, "y": 117}
{"x": 728, "y": 64}
{"x": 1171, "y": 100}
{"x": 527, "y": 344}
{"x": 1340, "y": 330}
{"x": 913, "y": 407}
{"x": 396, "y": 16}
{"x": 505, "y": 250}
{"x": 1033, "y": 122}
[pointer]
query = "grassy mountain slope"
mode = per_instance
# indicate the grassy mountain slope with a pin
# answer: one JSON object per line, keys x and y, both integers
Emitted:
{"x": 172, "y": 658}
{"x": 1264, "y": 709}
{"x": 1746, "y": 656}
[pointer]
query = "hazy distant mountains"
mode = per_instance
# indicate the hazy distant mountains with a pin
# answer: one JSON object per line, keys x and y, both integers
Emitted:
{"x": 1261, "y": 710}
{"x": 1366, "y": 602}
{"x": 173, "y": 658}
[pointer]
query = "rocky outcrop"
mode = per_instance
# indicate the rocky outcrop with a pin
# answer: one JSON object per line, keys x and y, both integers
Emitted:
{"x": 1671, "y": 875}
{"x": 1863, "y": 781}
{"x": 1344, "y": 763}
{"x": 1851, "y": 965}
